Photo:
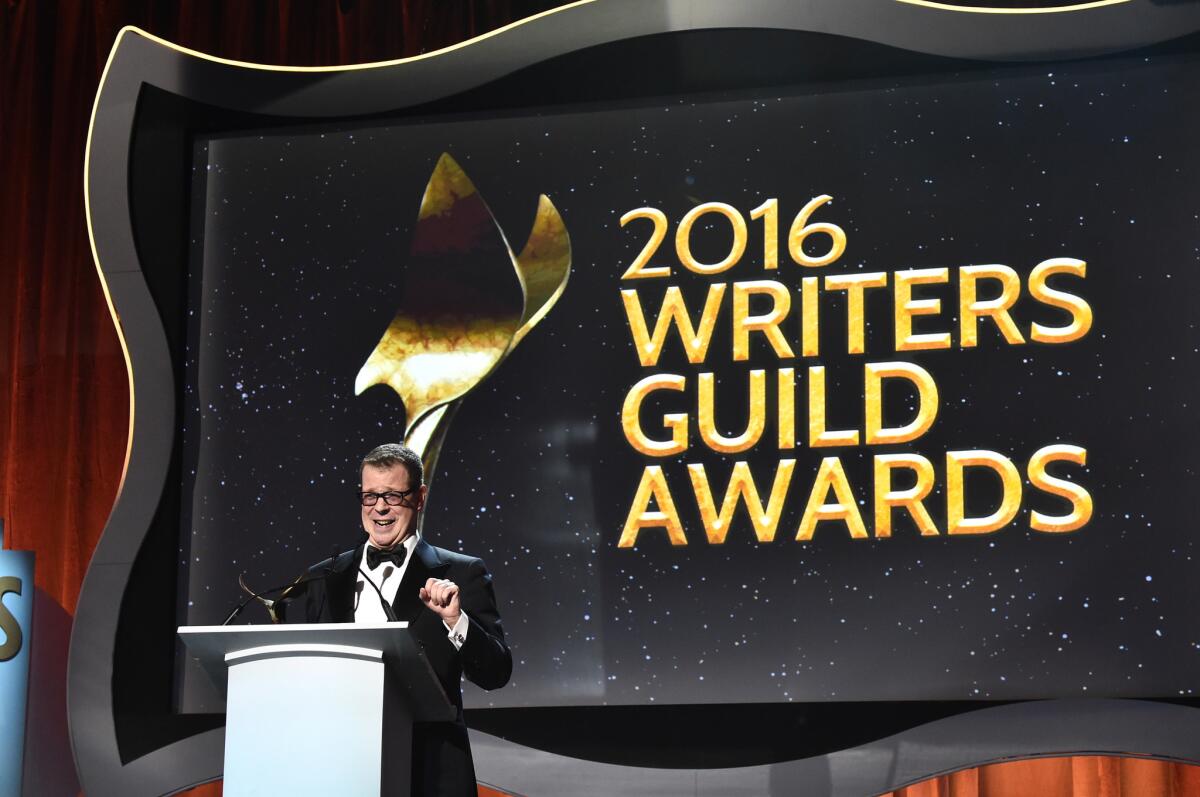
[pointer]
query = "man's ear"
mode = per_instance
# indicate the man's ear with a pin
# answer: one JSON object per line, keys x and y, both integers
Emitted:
{"x": 422, "y": 491}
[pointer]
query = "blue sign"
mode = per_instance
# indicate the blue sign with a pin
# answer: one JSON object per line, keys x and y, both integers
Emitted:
{"x": 16, "y": 617}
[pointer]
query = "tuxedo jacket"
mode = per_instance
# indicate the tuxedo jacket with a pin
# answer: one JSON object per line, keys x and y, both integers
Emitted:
{"x": 441, "y": 758}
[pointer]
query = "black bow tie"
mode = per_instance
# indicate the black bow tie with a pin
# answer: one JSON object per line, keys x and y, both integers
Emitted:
{"x": 376, "y": 557}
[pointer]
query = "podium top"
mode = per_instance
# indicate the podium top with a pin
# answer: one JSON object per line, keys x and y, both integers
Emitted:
{"x": 218, "y": 647}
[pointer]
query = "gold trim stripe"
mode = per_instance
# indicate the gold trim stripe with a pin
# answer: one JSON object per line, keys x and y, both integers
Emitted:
{"x": 112, "y": 309}
{"x": 346, "y": 67}
{"x": 1030, "y": 10}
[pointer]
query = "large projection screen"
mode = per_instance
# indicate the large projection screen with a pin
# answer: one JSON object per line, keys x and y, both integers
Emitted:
{"x": 970, "y": 434}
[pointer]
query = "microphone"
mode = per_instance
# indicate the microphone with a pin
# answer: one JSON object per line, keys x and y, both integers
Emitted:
{"x": 387, "y": 607}
{"x": 321, "y": 570}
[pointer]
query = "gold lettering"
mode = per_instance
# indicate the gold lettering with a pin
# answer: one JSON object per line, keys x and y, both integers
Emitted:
{"x": 683, "y": 238}
{"x": 769, "y": 213}
{"x": 855, "y": 285}
{"x": 971, "y": 309}
{"x": 1081, "y": 500}
{"x": 631, "y": 423}
{"x": 927, "y": 402}
{"x": 832, "y": 475}
{"x": 787, "y": 408}
{"x": 887, "y": 499}
{"x": 674, "y": 309}
{"x": 8, "y": 623}
{"x": 956, "y": 520}
{"x": 741, "y": 487}
{"x": 906, "y": 307}
{"x": 754, "y": 426}
{"x": 818, "y": 436}
{"x": 1080, "y": 310}
{"x": 810, "y": 329}
{"x": 768, "y": 324}
{"x": 640, "y": 268}
{"x": 653, "y": 485}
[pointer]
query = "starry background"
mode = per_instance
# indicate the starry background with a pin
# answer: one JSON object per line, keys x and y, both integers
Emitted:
{"x": 300, "y": 240}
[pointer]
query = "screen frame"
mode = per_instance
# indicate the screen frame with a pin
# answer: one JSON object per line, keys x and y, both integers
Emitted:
{"x": 156, "y": 98}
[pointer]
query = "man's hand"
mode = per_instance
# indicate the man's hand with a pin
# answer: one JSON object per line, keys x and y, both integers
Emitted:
{"x": 441, "y": 596}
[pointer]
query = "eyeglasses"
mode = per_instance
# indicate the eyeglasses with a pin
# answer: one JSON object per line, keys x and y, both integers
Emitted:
{"x": 389, "y": 498}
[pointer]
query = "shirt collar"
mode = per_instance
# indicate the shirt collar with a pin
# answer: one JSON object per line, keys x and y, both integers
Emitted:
{"x": 409, "y": 544}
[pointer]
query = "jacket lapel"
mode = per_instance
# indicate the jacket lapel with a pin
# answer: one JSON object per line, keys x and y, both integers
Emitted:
{"x": 425, "y": 564}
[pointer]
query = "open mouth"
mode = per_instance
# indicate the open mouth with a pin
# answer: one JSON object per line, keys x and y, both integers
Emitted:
{"x": 384, "y": 523}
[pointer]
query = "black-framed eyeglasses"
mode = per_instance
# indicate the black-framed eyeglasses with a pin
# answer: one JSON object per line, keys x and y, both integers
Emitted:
{"x": 392, "y": 498}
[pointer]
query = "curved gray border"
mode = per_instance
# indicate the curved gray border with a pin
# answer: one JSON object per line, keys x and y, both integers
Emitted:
{"x": 138, "y": 60}
{"x": 1022, "y": 730}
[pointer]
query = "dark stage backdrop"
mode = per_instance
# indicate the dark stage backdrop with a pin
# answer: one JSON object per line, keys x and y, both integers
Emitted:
{"x": 63, "y": 386}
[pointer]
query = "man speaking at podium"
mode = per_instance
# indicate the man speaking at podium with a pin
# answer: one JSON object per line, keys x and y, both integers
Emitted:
{"x": 445, "y": 597}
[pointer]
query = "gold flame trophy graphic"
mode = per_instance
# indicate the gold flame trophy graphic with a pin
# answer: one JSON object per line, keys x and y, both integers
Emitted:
{"x": 466, "y": 303}
{"x": 462, "y": 312}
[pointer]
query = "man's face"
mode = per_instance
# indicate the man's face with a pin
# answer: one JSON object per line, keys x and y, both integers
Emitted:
{"x": 388, "y": 525}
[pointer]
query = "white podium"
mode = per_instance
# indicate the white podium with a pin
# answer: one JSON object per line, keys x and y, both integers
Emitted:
{"x": 319, "y": 709}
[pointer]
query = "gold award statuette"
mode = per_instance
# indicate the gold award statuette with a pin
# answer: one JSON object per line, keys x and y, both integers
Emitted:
{"x": 461, "y": 310}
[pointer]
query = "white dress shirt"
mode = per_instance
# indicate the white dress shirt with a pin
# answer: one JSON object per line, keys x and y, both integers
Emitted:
{"x": 368, "y": 609}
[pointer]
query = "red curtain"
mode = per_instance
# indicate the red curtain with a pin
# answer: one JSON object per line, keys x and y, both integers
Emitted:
{"x": 1077, "y": 776}
{"x": 64, "y": 399}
